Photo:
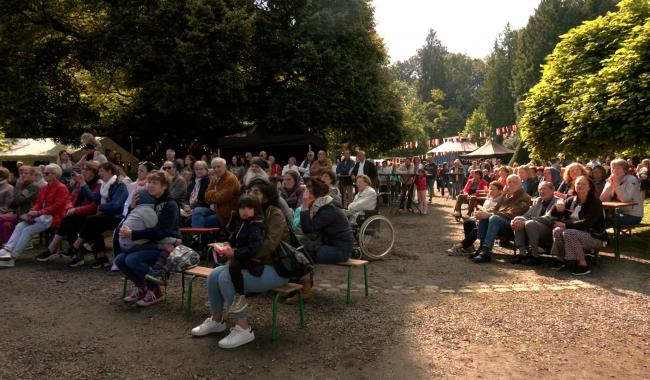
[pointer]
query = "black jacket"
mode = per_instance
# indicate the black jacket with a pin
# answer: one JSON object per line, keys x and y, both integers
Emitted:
{"x": 331, "y": 222}
{"x": 369, "y": 169}
{"x": 200, "y": 199}
{"x": 591, "y": 217}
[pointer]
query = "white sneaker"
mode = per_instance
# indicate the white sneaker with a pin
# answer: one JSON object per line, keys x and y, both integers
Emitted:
{"x": 150, "y": 298}
{"x": 134, "y": 295}
{"x": 237, "y": 337}
{"x": 5, "y": 255}
{"x": 8, "y": 263}
{"x": 209, "y": 326}
{"x": 114, "y": 267}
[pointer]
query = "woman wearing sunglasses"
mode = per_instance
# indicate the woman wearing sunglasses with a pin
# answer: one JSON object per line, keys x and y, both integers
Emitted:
{"x": 47, "y": 212}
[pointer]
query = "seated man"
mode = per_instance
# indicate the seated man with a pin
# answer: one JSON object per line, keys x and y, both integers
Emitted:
{"x": 497, "y": 223}
{"x": 532, "y": 228}
{"x": 474, "y": 184}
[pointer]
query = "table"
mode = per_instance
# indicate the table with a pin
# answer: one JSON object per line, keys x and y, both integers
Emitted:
{"x": 615, "y": 206}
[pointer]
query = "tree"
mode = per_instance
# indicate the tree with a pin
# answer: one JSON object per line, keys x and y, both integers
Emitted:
{"x": 432, "y": 66}
{"x": 495, "y": 95}
{"x": 593, "y": 97}
{"x": 476, "y": 124}
{"x": 536, "y": 40}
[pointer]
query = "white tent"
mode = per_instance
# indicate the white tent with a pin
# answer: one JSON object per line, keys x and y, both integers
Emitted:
{"x": 453, "y": 147}
{"x": 30, "y": 151}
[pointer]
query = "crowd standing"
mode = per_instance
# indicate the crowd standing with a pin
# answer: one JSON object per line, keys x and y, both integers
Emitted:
{"x": 542, "y": 206}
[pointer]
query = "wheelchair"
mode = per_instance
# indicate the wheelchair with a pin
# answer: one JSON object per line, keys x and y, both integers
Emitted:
{"x": 374, "y": 234}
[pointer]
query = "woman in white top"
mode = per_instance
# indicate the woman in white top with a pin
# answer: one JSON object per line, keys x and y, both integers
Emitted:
{"x": 623, "y": 187}
{"x": 364, "y": 200}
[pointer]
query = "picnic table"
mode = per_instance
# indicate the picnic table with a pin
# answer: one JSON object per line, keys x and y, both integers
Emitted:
{"x": 614, "y": 207}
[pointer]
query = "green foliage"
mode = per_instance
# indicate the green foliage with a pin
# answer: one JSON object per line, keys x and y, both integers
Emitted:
{"x": 495, "y": 95}
{"x": 195, "y": 69}
{"x": 537, "y": 39}
{"x": 593, "y": 97}
{"x": 476, "y": 124}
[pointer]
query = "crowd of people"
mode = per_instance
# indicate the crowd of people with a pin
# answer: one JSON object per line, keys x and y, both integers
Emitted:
{"x": 261, "y": 203}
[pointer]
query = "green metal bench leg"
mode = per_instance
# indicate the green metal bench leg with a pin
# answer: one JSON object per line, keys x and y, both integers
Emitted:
{"x": 124, "y": 288}
{"x": 274, "y": 311}
{"x": 349, "y": 295}
{"x": 189, "y": 296}
{"x": 365, "y": 278}
{"x": 301, "y": 309}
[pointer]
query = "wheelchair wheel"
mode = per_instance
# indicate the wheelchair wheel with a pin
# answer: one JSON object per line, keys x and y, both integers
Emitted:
{"x": 376, "y": 237}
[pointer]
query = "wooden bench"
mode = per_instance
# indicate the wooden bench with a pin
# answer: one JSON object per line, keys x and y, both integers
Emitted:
{"x": 352, "y": 263}
{"x": 628, "y": 229}
{"x": 203, "y": 272}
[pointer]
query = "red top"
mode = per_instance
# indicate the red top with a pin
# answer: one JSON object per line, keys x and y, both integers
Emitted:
{"x": 52, "y": 199}
{"x": 276, "y": 170}
{"x": 89, "y": 207}
{"x": 421, "y": 183}
{"x": 482, "y": 185}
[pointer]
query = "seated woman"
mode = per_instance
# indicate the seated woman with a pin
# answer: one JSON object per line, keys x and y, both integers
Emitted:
{"x": 47, "y": 212}
{"x": 364, "y": 200}
{"x": 24, "y": 196}
{"x": 291, "y": 191}
{"x": 470, "y": 227}
{"x": 196, "y": 209}
{"x": 136, "y": 264}
{"x": 111, "y": 196}
{"x": 474, "y": 184}
{"x": 571, "y": 173}
{"x": 528, "y": 180}
{"x": 623, "y": 187}
{"x": 6, "y": 190}
{"x": 79, "y": 207}
{"x": 533, "y": 228}
{"x": 329, "y": 178}
{"x": 580, "y": 226}
{"x": 220, "y": 287}
{"x": 503, "y": 173}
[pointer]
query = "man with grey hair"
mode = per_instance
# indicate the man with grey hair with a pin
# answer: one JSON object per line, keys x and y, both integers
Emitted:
{"x": 178, "y": 187}
{"x": 363, "y": 166}
{"x": 222, "y": 191}
{"x": 305, "y": 166}
{"x": 491, "y": 225}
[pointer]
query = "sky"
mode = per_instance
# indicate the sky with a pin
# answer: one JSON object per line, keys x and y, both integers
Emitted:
{"x": 463, "y": 26}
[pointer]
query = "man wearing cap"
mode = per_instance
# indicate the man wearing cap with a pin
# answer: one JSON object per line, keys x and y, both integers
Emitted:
{"x": 256, "y": 169}
{"x": 90, "y": 153}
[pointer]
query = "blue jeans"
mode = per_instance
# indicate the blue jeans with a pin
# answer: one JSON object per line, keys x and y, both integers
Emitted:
{"x": 204, "y": 217}
{"x": 221, "y": 289}
{"x": 625, "y": 220}
{"x": 329, "y": 254}
{"x": 489, "y": 229}
{"x": 136, "y": 265}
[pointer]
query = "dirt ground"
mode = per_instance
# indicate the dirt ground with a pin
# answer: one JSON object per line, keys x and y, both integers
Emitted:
{"x": 428, "y": 315}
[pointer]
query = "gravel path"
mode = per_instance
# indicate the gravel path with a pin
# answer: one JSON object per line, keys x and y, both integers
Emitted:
{"x": 428, "y": 315}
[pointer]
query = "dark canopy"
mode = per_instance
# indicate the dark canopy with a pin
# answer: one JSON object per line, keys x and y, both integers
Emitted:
{"x": 489, "y": 150}
{"x": 279, "y": 145}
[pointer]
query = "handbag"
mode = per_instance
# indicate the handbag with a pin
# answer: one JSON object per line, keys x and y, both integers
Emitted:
{"x": 291, "y": 262}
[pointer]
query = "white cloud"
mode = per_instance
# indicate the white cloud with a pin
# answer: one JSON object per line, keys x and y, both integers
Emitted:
{"x": 463, "y": 26}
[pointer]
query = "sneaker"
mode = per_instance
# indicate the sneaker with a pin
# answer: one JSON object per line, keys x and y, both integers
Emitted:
{"x": 159, "y": 277}
{"x": 114, "y": 267}
{"x": 152, "y": 297}
{"x": 237, "y": 337}
{"x": 29, "y": 246}
{"x": 101, "y": 262}
{"x": 76, "y": 262}
{"x": 581, "y": 270}
{"x": 8, "y": 263}
{"x": 88, "y": 247}
{"x": 455, "y": 249}
{"x": 46, "y": 256}
{"x": 559, "y": 265}
{"x": 135, "y": 294}
{"x": 469, "y": 249}
{"x": 239, "y": 304}
{"x": 5, "y": 255}
{"x": 209, "y": 326}
{"x": 70, "y": 252}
